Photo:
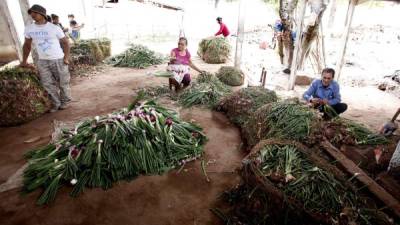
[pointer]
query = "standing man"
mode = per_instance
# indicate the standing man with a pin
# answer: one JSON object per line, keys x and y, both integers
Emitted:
{"x": 223, "y": 29}
{"x": 325, "y": 91}
{"x": 53, "y": 57}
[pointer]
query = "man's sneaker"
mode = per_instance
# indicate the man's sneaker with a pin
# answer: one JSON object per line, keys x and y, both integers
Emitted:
{"x": 64, "y": 106}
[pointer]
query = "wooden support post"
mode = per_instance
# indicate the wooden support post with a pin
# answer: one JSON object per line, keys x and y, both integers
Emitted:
{"x": 299, "y": 34}
{"x": 24, "y": 5}
{"x": 345, "y": 38}
{"x": 360, "y": 175}
{"x": 5, "y": 12}
{"x": 264, "y": 78}
{"x": 84, "y": 8}
{"x": 216, "y": 3}
{"x": 182, "y": 23}
{"x": 262, "y": 74}
{"x": 240, "y": 35}
{"x": 322, "y": 36}
{"x": 332, "y": 14}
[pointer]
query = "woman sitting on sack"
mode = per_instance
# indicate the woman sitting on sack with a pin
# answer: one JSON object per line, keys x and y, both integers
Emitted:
{"x": 179, "y": 64}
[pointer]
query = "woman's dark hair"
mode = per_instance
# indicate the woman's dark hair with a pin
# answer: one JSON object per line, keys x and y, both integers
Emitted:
{"x": 48, "y": 18}
{"x": 73, "y": 22}
{"x": 184, "y": 39}
{"x": 329, "y": 70}
{"x": 219, "y": 19}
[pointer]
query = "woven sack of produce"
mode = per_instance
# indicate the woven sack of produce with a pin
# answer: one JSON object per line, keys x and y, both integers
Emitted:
{"x": 214, "y": 50}
{"x": 231, "y": 76}
{"x": 22, "y": 97}
{"x": 239, "y": 105}
{"x": 91, "y": 51}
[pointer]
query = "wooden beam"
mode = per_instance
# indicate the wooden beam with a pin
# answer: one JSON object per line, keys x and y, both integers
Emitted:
{"x": 360, "y": 175}
{"x": 299, "y": 34}
{"x": 332, "y": 14}
{"x": 24, "y": 5}
{"x": 345, "y": 38}
{"x": 322, "y": 36}
{"x": 6, "y": 14}
{"x": 240, "y": 34}
{"x": 84, "y": 8}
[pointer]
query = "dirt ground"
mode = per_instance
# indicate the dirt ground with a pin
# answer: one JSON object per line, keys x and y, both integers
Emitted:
{"x": 173, "y": 198}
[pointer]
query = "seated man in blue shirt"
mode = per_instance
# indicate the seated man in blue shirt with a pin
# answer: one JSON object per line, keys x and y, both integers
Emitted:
{"x": 325, "y": 91}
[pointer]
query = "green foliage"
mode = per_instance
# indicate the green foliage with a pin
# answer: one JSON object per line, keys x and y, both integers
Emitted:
{"x": 284, "y": 120}
{"x": 148, "y": 139}
{"x": 230, "y": 75}
{"x": 137, "y": 56}
{"x": 361, "y": 134}
{"x": 288, "y": 120}
{"x": 317, "y": 189}
{"x": 207, "y": 90}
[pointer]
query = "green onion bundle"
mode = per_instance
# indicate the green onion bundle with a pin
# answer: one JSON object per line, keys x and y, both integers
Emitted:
{"x": 136, "y": 56}
{"x": 146, "y": 139}
{"x": 289, "y": 120}
{"x": 317, "y": 189}
{"x": 361, "y": 134}
{"x": 207, "y": 90}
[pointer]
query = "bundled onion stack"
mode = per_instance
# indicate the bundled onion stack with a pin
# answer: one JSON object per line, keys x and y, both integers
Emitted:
{"x": 144, "y": 139}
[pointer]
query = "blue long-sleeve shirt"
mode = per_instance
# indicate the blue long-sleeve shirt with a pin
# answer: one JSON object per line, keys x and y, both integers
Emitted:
{"x": 317, "y": 90}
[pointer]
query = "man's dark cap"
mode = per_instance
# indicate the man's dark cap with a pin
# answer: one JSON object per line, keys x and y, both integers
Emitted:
{"x": 38, "y": 9}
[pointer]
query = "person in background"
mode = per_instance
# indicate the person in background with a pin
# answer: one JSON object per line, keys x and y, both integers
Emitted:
{"x": 56, "y": 21}
{"x": 283, "y": 35}
{"x": 75, "y": 30}
{"x": 71, "y": 17}
{"x": 223, "y": 29}
{"x": 325, "y": 91}
{"x": 48, "y": 18}
{"x": 179, "y": 64}
{"x": 53, "y": 50}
